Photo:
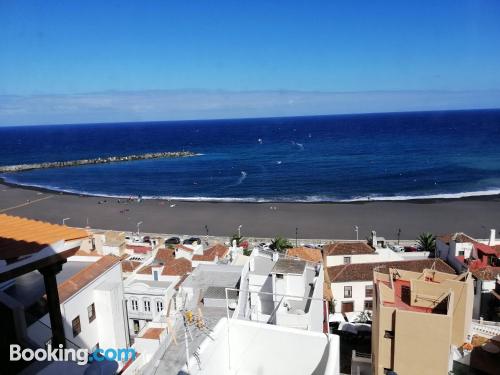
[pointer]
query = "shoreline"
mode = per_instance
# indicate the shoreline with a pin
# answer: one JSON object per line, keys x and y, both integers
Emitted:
{"x": 317, "y": 220}
{"x": 422, "y": 200}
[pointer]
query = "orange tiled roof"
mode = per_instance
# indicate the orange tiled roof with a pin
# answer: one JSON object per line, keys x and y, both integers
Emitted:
{"x": 146, "y": 270}
{"x": 185, "y": 248}
{"x": 305, "y": 253}
{"x": 152, "y": 333}
{"x": 164, "y": 255}
{"x": 211, "y": 253}
{"x": 20, "y": 236}
{"x": 347, "y": 248}
{"x": 364, "y": 271}
{"x": 130, "y": 265}
{"x": 177, "y": 267}
{"x": 81, "y": 279}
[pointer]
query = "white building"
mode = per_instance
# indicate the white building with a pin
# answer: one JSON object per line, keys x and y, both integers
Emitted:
{"x": 91, "y": 307}
{"x": 208, "y": 282}
{"x": 283, "y": 291}
{"x": 347, "y": 252}
{"x": 146, "y": 300}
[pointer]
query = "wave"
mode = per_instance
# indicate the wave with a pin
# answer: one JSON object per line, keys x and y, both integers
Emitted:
{"x": 282, "y": 199}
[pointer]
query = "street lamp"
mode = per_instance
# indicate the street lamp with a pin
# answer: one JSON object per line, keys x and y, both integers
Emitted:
{"x": 239, "y": 230}
{"x": 64, "y": 220}
{"x": 399, "y": 234}
{"x": 138, "y": 225}
{"x": 296, "y": 234}
{"x": 356, "y": 229}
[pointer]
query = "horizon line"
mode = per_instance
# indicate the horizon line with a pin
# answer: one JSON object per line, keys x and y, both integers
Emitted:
{"x": 258, "y": 118}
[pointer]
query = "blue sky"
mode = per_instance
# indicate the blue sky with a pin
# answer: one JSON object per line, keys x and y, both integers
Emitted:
{"x": 116, "y": 54}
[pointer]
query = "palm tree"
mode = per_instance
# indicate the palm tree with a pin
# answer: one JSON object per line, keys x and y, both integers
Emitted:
{"x": 280, "y": 244}
{"x": 236, "y": 238}
{"x": 427, "y": 242}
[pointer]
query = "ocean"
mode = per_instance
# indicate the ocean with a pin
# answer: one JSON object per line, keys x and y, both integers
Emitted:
{"x": 391, "y": 156}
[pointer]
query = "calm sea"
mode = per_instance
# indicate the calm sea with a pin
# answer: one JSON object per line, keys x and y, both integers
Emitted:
{"x": 322, "y": 158}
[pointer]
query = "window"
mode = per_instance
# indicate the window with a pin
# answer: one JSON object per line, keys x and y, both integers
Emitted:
{"x": 75, "y": 324}
{"x": 159, "y": 306}
{"x": 134, "y": 305}
{"x": 91, "y": 312}
{"x": 155, "y": 275}
{"x": 147, "y": 305}
{"x": 279, "y": 275}
{"x": 389, "y": 334}
{"x": 347, "y": 291}
{"x": 368, "y": 305}
{"x": 461, "y": 253}
{"x": 136, "y": 327}
{"x": 347, "y": 260}
{"x": 369, "y": 291}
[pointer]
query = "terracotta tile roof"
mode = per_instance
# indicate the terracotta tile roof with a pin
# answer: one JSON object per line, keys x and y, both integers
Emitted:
{"x": 81, "y": 279}
{"x": 152, "y": 333}
{"x": 348, "y": 248}
{"x": 164, "y": 255}
{"x": 211, "y": 253}
{"x": 364, "y": 271}
{"x": 177, "y": 267}
{"x": 146, "y": 270}
{"x": 305, "y": 253}
{"x": 457, "y": 237}
{"x": 20, "y": 236}
{"x": 486, "y": 273}
{"x": 139, "y": 249}
{"x": 185, "y": 248}
{"x": 130, "y": 265}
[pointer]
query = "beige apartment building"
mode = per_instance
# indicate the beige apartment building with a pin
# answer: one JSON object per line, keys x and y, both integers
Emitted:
{"x": 417, "y": 319}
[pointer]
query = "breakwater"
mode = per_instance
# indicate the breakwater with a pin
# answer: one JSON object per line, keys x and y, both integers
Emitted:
{"x": 103, "y": 160}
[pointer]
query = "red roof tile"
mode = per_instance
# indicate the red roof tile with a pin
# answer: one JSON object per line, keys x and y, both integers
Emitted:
{"x": 81, "y": 279}
{"x": 139, "y": 249}
{"x": 211, "y": 253}
{"x": 305, "y": 253}
{"x": 364, "y": 271}
{"x": 348, "y": 248}
{"x": 130, "y": 265}
{"x": 164, "y": 255}
{"x": 486, "y": 273}
{"x": 177, "y": 267}
{"x": 146, "y": 270}
{"x": 152, "y": 333}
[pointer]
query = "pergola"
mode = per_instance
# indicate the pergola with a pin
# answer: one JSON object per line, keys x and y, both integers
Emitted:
{"x": 29, "y": 245}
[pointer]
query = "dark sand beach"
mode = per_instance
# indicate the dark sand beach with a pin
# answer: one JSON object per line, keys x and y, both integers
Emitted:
{"x": 319, "y": 220}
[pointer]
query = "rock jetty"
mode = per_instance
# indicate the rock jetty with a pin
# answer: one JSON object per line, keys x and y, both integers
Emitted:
{"x": 104, "y": 160}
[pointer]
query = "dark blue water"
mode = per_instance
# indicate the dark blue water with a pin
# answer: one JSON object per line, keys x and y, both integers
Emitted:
{"x": 326, "y": 158}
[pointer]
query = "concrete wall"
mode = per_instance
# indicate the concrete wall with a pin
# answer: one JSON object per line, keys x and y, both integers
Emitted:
{"x": 421, "y": 343}
{"x": 256, "y": 348}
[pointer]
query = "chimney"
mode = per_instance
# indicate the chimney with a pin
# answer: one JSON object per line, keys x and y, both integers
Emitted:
{"x": 374, "y": 238}
{"x": 234, "y": 243}
{"x": 493, "y": 233}
{"x": 276, "y": 256}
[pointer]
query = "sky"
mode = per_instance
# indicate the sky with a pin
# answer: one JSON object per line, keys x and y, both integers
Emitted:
{"x": 99, "y": 61}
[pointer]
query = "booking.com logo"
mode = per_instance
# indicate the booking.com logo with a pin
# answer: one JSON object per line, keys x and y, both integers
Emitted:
{"x": 80, "y": 356}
